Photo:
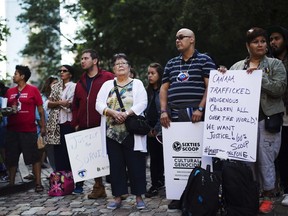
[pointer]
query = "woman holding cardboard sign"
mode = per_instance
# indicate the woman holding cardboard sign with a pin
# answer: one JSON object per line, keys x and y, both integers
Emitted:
{"x": 270, "y": 110}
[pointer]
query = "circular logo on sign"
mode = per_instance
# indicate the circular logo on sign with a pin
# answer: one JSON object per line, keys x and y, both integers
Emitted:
{"x": 176, "y": 146}
{"x": 82, "y": 173}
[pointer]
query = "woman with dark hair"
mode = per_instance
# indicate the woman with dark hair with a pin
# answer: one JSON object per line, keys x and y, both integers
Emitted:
{"x": 60, "y": 116}
{"x": 45, "y": 93}
{"x": 125, "y": 151}
{"x": 46, "y": 88}
{"x": 155, "y": 148}
{"x": 272, "y": 88}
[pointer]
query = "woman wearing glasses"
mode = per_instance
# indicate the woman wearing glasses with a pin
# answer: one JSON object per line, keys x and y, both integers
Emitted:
{"x": 60, "y": 116}
{"x": 125, "y": 151}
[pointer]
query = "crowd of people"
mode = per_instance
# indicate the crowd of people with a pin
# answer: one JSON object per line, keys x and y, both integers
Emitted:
{"x": 176, "y": 93}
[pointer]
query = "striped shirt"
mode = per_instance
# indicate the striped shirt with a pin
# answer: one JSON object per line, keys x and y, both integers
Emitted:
{"x": 187, "y": 78}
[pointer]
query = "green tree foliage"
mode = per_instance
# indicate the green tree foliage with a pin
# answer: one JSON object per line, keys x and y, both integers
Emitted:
{"x": 145, "y": 29}
{"x": 141, "y": 29}
{"x": 43, "y": 21}
{"x": 4, "y": 33}
{"x": 220, "y": 26}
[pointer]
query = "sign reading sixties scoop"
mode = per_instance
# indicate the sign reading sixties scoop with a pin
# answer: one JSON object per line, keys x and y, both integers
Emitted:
{"x": 182, "y": 148}
{"x": 231, "y": 115}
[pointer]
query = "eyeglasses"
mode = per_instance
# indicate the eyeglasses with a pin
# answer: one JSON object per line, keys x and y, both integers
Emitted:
{"x": 181, "y": 37}
{"x": 121, "y": 63}
{"x": 63, "y": 71}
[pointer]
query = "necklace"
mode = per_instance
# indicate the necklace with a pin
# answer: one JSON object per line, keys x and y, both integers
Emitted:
{"x": 183, "y": 75}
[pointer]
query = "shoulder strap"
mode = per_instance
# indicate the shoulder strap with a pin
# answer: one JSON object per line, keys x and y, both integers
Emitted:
{"x": 118, "y": 97}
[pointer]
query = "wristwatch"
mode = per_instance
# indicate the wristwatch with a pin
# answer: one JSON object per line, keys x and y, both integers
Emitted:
{"x": 201, "y": 109}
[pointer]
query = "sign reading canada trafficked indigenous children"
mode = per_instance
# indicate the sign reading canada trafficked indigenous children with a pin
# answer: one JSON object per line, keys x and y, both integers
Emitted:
{"x": 182, "y": 148}
{"x": 85, "y": 154}
{"x": 231, "y": 115}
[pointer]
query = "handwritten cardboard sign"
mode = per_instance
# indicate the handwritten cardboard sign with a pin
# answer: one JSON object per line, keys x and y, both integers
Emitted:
{"x": 231, "y": 115}
{"x": 182, "y": 148}
{"x": 85, "y": 154}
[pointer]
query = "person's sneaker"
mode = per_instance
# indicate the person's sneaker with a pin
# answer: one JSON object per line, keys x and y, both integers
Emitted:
{"x": 153, "y": 191}
{"x": 113, "y": 205}
{"x": 285, "y": 200}
{"x": 174, "y": 205}
{"x": 140, "y": 205}
{"x": 78, "y": 190}
{"x": 4, "y": 179}
{"x": 266, "y": 206}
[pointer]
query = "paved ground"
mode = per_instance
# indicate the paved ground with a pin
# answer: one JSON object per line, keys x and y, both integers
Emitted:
{"x": 22, "y": 200}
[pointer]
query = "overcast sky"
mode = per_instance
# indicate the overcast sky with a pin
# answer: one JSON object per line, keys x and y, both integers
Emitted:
{"x": 18, "y": 34}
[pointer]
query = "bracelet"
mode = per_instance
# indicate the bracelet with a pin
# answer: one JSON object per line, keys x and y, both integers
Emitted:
{"x": 105, "y": 111}
{"x": 127, "y": 113}
{"x": 163, "y": 111}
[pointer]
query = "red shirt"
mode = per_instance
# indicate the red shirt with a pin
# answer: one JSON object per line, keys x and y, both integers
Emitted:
{"x": 26, "y": 101}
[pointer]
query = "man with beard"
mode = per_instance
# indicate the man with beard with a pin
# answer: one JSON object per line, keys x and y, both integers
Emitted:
{"x": 279, "y": 46}
{"x": 83, "y": 109}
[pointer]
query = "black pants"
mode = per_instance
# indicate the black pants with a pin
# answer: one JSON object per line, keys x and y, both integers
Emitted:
{"x": 156, "y": 161}
{"x": 282, "y": 159}
{"x": 121, "y": 157}
{"x": 61, "y": 157}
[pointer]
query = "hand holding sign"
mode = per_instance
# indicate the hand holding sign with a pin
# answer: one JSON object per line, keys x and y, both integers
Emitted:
{"x": 231, "y": 117}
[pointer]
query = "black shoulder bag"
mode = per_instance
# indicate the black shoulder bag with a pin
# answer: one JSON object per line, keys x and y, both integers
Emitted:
{"x": 135, "y": 124}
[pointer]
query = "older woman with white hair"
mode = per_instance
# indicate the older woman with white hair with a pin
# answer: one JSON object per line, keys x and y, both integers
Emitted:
{"x": 125, "y": 151}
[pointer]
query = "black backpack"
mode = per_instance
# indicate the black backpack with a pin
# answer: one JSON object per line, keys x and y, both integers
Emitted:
{"x": 240, "y": 193}
{"x": 201, "y": 194}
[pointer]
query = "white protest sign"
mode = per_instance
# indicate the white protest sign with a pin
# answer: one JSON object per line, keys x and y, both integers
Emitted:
{"x": 182, "y": 148}
{"x": 3, "y": 102}
{"x": 231, "y": 115}
{"x": 85, "y": 154}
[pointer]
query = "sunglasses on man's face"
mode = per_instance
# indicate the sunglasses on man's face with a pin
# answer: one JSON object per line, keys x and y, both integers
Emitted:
{"x": 181, "y": 37}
